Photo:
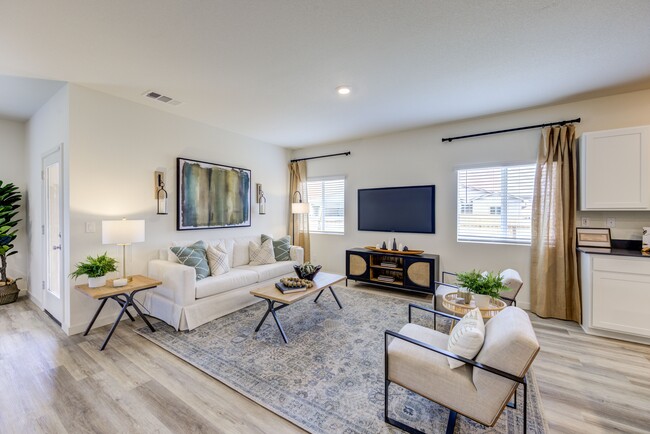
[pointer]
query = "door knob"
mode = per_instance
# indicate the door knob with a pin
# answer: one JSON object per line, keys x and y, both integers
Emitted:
{"x": 56, "y": 247}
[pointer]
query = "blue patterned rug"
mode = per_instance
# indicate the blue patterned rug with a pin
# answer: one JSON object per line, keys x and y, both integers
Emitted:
{"x": 329, "y": 378}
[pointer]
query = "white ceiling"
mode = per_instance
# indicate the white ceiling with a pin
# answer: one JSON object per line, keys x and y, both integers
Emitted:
{"x": 268, "y": 68}
{"x": 21, "y": 97}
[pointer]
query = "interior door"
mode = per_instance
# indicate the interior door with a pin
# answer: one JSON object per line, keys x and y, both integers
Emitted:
{"x": 53, "y": 235}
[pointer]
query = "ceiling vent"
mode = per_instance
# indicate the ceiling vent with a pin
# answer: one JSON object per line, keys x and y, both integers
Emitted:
{"x": 162, "y": 98}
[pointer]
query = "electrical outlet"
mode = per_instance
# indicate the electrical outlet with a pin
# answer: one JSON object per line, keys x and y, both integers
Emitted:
{"x": 611, "y": 222}
{"x": 585, "y": 222}
{"x": 90, "y": 227}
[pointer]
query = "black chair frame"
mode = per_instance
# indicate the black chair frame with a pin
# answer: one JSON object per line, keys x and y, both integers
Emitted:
{"x": 451, "y": 423}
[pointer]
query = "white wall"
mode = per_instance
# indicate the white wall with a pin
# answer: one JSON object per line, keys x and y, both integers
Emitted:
{"x": 419, "y": 157}
{"x": 13, "y": 148}
{"x": 115, "y": 147}
{"x": 46, "y": 130}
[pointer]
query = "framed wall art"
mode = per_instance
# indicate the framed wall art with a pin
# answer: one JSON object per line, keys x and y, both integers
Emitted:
{"x": 593, "y": 237}
{"x": 212, "y": 195}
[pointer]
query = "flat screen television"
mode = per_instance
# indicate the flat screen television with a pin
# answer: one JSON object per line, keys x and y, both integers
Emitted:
{"x": 398, "y": 209}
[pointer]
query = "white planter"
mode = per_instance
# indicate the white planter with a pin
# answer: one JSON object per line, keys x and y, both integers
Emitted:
{"x": 482, "y": 300}
{"x": 96, "y": 282}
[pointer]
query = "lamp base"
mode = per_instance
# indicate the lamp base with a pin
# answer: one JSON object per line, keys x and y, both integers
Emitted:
{"x": 120, "y": 282}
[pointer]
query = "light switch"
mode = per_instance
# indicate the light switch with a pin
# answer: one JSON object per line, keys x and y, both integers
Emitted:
{"x": 90, "y": 227}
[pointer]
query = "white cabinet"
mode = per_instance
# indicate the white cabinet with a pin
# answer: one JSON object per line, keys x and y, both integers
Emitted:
{"x": 614, "y": 169}
{"x": 616, "y": 296}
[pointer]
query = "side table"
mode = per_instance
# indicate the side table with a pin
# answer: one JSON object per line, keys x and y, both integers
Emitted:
{"x": 123, "y": 295}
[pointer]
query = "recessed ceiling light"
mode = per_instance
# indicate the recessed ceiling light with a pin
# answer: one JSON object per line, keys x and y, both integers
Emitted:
{"x": 343, "y": 90}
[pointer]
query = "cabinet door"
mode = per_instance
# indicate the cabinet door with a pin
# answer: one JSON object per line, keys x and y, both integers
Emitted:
{"x": 613, "y": 169}
{"x": 357, "y": 265}
{"x": 418, "y": 274}
{"x": 620, "y": 302}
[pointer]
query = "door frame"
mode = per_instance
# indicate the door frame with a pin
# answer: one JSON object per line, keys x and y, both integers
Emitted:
{"x": 43, "y": 230}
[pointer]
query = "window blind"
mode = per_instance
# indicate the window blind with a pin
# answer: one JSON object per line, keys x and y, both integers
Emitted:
{"x": 326, "y": 198}
{"x": 495, "y": 204}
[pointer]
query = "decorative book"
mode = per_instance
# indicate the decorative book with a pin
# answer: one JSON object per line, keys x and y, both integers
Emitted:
{"x": 288, "y": 290}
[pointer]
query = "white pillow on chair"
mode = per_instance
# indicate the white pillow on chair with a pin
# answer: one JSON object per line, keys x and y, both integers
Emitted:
{"x": 466, "y": 338}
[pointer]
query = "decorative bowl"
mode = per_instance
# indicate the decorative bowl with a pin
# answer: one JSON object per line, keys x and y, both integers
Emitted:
{"x": 309, "y": 276}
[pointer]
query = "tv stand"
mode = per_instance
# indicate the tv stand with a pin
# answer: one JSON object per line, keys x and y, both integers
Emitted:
{"x": 393, "y": 270}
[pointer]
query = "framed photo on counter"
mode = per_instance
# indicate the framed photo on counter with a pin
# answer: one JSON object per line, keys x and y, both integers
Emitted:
{"x": 593, "y": 237}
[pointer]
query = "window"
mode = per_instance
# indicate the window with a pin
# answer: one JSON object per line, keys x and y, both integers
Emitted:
{"x": 326, "y": 198}
{"x": 494, "y": 204}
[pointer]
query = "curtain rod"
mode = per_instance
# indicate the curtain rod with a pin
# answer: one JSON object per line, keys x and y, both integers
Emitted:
{"x": 530, "y": 127}
{"x": 321, "y": 156}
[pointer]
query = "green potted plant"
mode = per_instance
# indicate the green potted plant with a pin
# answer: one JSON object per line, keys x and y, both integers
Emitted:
{"x": 9, "y": 198}
{"x": 484, "y": 286}
{"x": 96, "y": 269}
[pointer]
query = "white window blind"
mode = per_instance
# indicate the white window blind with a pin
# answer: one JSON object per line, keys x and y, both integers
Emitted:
{"x": 326, "y": 198}
{"x": 494, "y": 204}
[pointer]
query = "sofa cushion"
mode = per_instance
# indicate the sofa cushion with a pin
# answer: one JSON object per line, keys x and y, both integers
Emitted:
{"x": 235, "y": 278}
{"x": 240, "y": 250}
{"x": 270, "y": 271}
{"x": 281, "y": 247}
{"x": 194, "y": 256}
{"x": 261, "y": 254}
{"x": 218, "y": 259}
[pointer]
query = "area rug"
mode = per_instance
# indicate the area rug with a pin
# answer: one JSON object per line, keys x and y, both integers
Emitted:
{"x": 329, "y": 378}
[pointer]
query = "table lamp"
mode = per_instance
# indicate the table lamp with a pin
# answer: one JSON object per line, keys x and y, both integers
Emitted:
{"x": 122, "y": 232}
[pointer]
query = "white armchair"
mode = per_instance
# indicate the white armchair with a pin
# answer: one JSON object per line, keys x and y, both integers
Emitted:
{"x": 416, "y": 359}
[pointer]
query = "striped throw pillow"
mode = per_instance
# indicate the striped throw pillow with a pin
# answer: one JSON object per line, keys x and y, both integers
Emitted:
{"x": 281, "y": 247}
{"x": 218, "y": 259}
{"x": 194, "y": 256}
{"x": 466, "y": 339}
{"x": 261, "y": 254}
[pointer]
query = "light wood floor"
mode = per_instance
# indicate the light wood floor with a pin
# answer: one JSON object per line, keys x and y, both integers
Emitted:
{"x": 55, "y": 384}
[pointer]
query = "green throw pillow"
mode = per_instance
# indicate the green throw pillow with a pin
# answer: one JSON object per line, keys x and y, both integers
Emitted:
{"x": 194, "y": 256}
{"x": 280, "y": 247}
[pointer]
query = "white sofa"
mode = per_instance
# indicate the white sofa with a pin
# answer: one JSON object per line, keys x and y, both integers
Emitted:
{"x": 185, "y": 303}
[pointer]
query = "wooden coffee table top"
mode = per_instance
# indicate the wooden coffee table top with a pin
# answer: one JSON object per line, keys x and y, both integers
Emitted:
{"x": 138, "y": 283}
{"x": 321, "y": 281}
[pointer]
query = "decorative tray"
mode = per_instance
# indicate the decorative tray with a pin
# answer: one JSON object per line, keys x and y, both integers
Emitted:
{"x": 399, "y": 252}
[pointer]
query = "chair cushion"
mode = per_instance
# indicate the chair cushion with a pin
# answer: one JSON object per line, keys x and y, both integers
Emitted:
{"x": 218, "y": 259}
{"x": 281, "y": 247}
{"x": 270, "y": 271}
{"x": 235, "y": 278}
{"x": 466, "y": 338}
{"x": 194, "y": 256}
{"x": 261, "y": 254}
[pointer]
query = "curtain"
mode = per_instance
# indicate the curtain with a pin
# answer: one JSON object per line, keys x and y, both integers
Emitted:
{"x": 554, "y": 272}
{"x": 299, "y": 223}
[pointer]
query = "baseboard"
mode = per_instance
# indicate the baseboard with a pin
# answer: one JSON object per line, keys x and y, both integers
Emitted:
{"x": 101, "y": 321}
{"x": 33, "y": 299}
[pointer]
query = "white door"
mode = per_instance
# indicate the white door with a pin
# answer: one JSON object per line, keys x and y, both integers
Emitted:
{"x": 53, "y": 235}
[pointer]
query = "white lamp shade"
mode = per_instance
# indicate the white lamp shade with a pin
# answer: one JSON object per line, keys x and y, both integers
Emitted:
{"x": 122, "y": 231}
{"x": 300, "y": 208}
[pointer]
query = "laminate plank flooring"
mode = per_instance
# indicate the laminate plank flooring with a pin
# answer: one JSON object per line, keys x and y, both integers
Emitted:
{"x": 52, "y": 383}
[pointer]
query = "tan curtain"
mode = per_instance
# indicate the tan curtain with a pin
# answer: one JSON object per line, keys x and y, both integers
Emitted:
{"x": 554, "y": 273}
{"x": 298, "y": 182}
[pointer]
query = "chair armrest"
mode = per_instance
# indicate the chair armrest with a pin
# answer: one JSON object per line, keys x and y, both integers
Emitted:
{"x": 297, "y": 253}
{"x": 436, "y": 284}
{"x": 434, "y": 312}
{"x": 449, "y": 354}
{"x": 180, "y": 278}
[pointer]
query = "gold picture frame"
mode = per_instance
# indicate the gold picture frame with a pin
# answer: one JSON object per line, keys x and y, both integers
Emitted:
{"x": 593, "y": 237}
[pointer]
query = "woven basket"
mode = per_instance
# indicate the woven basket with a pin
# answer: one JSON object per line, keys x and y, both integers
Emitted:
{"x": 9, "y": 293}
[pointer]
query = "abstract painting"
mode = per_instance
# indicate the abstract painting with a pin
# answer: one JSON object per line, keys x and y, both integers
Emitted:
{"x": 212, "y": 195}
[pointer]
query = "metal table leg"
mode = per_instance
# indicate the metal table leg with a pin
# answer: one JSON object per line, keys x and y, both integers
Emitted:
{"x": 121, "y": 303}
{"x": 92, "y": 321}
{"x": 333, "y": 293}
{"x": 110, "y": 333}
{"x": 137, "y": 309}
{"x": 270, "y": 308}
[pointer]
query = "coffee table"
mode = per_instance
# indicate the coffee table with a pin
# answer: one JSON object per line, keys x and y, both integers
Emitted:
{"x": 273, "y": 296}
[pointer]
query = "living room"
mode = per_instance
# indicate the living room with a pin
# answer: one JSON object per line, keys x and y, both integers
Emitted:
{"x": 112, "y": 140}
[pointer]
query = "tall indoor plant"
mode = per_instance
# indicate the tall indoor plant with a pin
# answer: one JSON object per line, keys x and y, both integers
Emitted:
{"x": 9, "y": 198}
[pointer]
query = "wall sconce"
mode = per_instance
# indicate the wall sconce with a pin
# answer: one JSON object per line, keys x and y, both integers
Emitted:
{"x": 161, "y": 194}
{"x": 261, "y": 200}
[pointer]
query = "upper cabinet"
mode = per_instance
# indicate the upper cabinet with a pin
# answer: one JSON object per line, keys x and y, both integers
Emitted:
{"x": 614, "y": 167}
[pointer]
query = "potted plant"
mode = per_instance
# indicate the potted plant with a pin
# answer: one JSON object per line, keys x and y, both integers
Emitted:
{"x": 307, "y": 270}
{"x": 484, "y": 286}
{"x": 9, "y": 198}
{"x": 96, "y": 269}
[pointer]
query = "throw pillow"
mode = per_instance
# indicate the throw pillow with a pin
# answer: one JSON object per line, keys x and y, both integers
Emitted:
{"x": 218, "y": 259}
{"x": 281, "y": 247}
{"x": 194, "y": 256}
{"x": 261, "y": 254}
{"x": 466, "y": 339}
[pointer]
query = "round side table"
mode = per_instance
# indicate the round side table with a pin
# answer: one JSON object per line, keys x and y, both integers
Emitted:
{"x": 455, "y": 305}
